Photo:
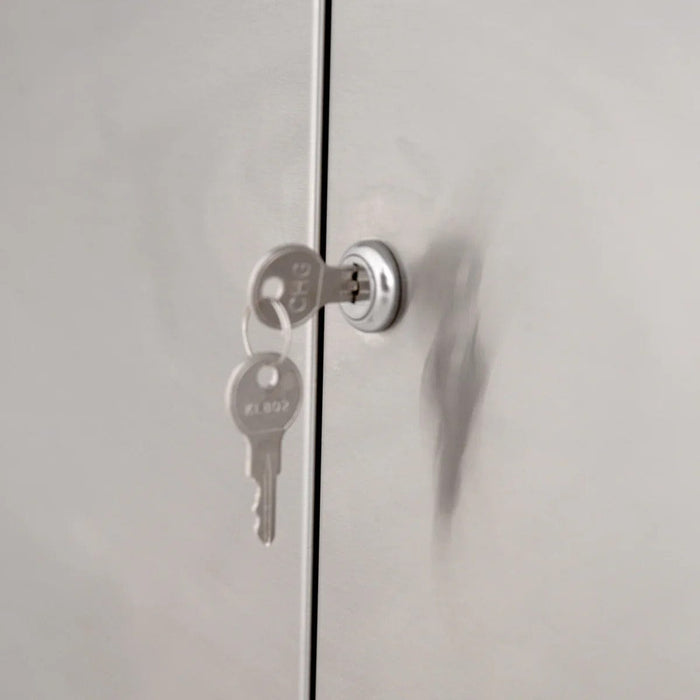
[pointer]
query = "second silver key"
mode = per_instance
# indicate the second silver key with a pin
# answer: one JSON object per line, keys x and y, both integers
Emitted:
{"x": 263, "y": 397}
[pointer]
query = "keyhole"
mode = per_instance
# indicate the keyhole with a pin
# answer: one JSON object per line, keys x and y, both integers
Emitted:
{"x": 272, "y": 288}
{"x": 268, "y": 376}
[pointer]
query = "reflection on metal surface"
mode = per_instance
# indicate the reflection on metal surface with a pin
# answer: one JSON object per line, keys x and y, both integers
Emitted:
{"x": 456, "y": 371}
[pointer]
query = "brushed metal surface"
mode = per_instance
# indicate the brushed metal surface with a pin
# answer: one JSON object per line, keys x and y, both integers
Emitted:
{"x": 152, "y": 152}
{"x": 510, "y": 480}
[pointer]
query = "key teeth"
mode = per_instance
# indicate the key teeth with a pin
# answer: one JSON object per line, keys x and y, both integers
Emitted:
{"x": 265, "y": 537}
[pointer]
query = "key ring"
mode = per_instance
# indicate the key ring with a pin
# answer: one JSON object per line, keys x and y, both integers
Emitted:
{"x": 285, "y": 327}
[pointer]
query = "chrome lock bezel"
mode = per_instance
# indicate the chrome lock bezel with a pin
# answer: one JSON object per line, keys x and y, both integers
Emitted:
{"x": 375, "y": 260}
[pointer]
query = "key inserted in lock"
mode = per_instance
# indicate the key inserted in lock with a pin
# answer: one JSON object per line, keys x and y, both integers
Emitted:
{"x": 367, "y": 285}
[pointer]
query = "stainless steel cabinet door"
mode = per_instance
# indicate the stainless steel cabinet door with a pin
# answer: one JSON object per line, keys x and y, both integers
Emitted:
{"x": 152, "y": 152}
{"x": 510, "y": 475}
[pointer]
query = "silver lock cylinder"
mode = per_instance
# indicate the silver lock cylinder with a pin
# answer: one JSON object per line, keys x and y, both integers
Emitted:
{"x": 378, "y": 268}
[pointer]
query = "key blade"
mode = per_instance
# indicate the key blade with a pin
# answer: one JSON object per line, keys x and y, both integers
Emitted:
{"x": 265, "y": 507}
{"x": 264, "y": 468}
{"x": 338, "y": 285}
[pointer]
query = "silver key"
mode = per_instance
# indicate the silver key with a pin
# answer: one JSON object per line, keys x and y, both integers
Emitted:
{"x": 263, "y": 398}
{"x": 305, "y": 283}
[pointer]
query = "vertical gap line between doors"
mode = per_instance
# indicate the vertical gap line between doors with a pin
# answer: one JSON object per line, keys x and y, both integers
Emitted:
{"x": 320, "y": 335}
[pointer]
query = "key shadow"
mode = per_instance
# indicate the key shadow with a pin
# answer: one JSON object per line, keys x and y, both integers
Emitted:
{"x": 456, "y": 369}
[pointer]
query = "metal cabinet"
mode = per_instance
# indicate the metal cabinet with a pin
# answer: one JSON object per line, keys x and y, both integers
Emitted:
{"x": 497, "y": 499}
{"x": 510, "y": 475}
